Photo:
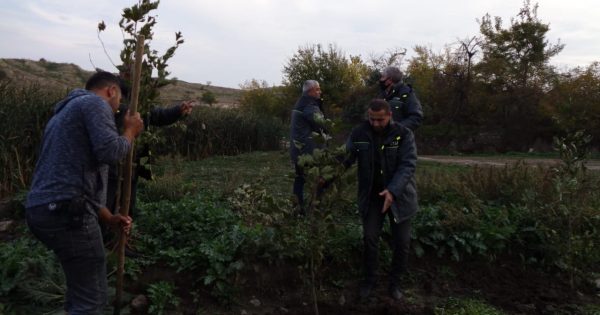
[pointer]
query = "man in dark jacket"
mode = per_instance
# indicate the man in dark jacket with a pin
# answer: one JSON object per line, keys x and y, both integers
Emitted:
{"x": 387, "y": 158}
{"x": 158, "y": 116}
{"x": 405, "y": 105}
{"x": 307, "y": 117}
{"x": 68, "y": 192}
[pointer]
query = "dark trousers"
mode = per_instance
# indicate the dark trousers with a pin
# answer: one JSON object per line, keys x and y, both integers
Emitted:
{"x": 372, "y": 226}
{"x": 80, "y": 252}
{"x": 298, "y": 189}
{"x": 111, "y": 195}
{"x": 299, "y": 182}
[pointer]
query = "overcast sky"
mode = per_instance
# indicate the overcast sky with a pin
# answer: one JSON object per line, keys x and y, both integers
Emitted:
{"x": 229, "y": 42}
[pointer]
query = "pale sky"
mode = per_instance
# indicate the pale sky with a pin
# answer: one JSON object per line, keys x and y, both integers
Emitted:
{"x": 229, "y": 42}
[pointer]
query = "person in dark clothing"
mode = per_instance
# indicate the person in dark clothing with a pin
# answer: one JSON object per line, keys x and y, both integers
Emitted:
{"x": 67, "y": 198}
{"x": 387, "y": 157}
{"x": 307, "y": 117}
{"x": 406, "y": 108}
{"x": 156, "y": 117}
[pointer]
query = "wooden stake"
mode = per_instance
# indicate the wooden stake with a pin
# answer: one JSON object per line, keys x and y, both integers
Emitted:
{"x": 126, "y": 197}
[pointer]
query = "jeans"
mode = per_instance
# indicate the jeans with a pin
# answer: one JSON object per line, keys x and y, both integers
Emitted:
{"x": 372, "y": 225}
{"x": 81, "y": 254}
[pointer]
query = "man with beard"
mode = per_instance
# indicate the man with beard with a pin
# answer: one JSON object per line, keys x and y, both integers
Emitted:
{"x": 67, "y": 199}
{"x": 387, "y": 158}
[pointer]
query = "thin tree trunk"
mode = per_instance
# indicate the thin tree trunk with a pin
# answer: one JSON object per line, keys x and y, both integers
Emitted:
{"x": 124, "y": 211}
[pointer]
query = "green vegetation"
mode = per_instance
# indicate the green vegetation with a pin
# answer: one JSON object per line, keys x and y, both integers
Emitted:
{"x": 24, "y": 111}
{"x": 220, "y": 131}
{"x": 23, "y": 115}
{"x": 227, "y": 219}
{"x": 466, "y": 307}
{"x": 162, "y": 298}
{"x": 31, "y": 277}
{"x": 209, "y": 97}
{"x": 219, "y": 224}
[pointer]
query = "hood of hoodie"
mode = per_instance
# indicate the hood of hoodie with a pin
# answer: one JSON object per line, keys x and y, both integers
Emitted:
{"x": 72, "y": 95}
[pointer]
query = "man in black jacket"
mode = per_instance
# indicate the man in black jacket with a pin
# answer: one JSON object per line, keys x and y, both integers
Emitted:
{"x": 158, "y": 116}
{"x": 387, "y": 158}
{"x": 307, "y": 117}
{"x": 405, "y": 105}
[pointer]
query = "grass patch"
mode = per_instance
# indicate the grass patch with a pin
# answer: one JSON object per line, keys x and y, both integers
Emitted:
{"x": 224, "y": 174}
{"x": 467, "y": 306}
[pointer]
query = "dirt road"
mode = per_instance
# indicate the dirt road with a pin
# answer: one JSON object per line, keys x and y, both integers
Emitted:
{"x": 498, "y": 161}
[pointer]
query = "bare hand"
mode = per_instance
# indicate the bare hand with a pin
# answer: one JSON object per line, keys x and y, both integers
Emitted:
{"x": 186, "y": 107}
{"x": 388, "y": 200}
{"x": 133, "y": 124}
{"x": 118, "y": 221}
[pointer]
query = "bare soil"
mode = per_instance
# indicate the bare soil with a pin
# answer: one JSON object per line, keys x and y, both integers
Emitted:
{"x": 506, "y": 283}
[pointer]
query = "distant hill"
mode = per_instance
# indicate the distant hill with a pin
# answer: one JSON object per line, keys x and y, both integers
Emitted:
{"x": 67, "y": 76}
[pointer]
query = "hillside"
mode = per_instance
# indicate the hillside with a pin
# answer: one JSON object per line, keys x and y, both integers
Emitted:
{"x": 52, "y": 75}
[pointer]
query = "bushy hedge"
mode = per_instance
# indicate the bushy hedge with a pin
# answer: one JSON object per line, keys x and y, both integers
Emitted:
{"x": 24, "y": 112}
{"x": 515, "y": 210}
{"x": 222, "y": 131}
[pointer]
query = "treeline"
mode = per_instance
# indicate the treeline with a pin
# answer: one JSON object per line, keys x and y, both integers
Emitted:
{"x": 494, "y": 92}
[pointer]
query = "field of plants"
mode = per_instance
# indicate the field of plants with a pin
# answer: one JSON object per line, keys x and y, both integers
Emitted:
{"x": 216, "y": 231}
{"x": 220, "y": 236}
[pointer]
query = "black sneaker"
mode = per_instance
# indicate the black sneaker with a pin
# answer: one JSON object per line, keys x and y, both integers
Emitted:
{"x": 395, "y": 293}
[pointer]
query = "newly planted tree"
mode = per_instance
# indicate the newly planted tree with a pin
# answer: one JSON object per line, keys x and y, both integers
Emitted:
{"x": 325, "y": 177}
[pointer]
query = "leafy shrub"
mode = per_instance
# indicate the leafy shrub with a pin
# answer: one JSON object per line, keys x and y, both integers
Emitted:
{"x": 258, "y": 98}
{"x": 486, "y": 233}
{"x": 545, "y": 215}
{"x": 162, "y": 297}
{"x": 197, "y": 234}
{"x": 31, "y": 277}
{"x": 222, "y": 131}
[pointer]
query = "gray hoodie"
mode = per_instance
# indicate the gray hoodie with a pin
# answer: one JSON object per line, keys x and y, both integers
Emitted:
{"x": 79, "y": 142}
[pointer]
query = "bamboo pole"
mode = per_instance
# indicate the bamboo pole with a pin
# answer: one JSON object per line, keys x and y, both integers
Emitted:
{"x": 124, "y": 209}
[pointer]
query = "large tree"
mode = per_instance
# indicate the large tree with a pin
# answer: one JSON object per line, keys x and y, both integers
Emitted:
{"x": 515, "y": 70}
{"x": 574, "y": 101}
{"x": 337, "y": 74}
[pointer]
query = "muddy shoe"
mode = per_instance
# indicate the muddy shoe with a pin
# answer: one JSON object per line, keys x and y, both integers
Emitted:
{"x": 395, "y": 293}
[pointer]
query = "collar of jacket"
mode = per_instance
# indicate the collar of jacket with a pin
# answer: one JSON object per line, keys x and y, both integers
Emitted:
{"x": 397, "y": 89}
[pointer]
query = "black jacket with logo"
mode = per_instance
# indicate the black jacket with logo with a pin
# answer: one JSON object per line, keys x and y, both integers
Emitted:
{"x": 307, "y": 117}
{"x": 398, "y": 159}
{"x": 406, "y": 108}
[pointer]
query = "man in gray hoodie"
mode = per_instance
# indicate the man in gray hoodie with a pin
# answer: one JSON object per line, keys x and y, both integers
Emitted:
{"x": 68, "y": 191}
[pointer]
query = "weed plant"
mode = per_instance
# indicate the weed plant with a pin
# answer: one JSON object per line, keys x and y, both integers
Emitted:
{"x": 24, "y": 111}
{"x": 31, "y": 279}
